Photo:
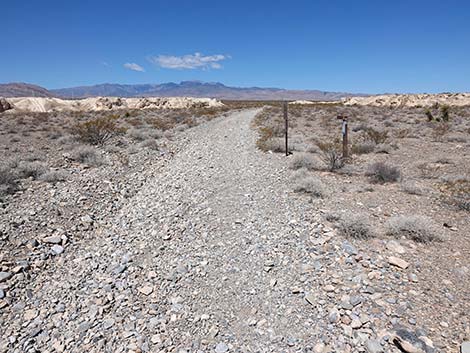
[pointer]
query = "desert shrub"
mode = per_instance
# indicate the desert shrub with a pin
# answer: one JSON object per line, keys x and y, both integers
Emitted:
{"x": 411, "y": 188}
{"x": 376, "y": 136}
{"x": 456, "y": 191}
{"x": 360, "y": 127}
{"x": 429, "y": 114}
{"x": 67, "y": 139}
{"x": 354, "y": 226}
{"x": 162, "y": 124}
{"x": 440, "y": 130}
{"x": 362, "y": 148}
{"x": 54, "y": 176}
{"x": 304, "y": 160}
{"x": 31, "y": 169}
{"x": 190, "y": 122}
{"x": 97, "y": 131}
{"x": 383, "y": 148}
{"x": 427, "y": 171}
{"x": 416, "y": 228}
{"x": 151, "y": 144}
{"x": 331, "y": 154}
{"x": 137, "y": 134}
{"x": 8, "y": 183}
{"x": 309, "y": 185}
{"x": 87, "y": 155}
{"x": 457, "y": 138}
{"x": 445, "y": 113}
{"x": 383, "y": 173}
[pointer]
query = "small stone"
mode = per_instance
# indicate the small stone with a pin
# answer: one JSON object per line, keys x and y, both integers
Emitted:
{"x": 319, "y": 347}
{"x": 221, "y": 348}
{"x": 310, "y": 298}
{"x": 355, "y": 300}
{"x": 156, "y": 339}
{"x": 30, "y": 314}
{"x": 329, "y": 288}
{"x": 2, "y": 294}
{"x": 52, "y": 240}
{"x": 356, "y": 323}
{"x": 333, "y": 316}
{"x": 395, "y": 247}
{"x": 444, "y": 324}
{"x": 465, "y": 347}
{"x": 373, "y": 346}
{"x": 5, "y": 276}
{"x": 57, "y": 250}
{"x": 396, "y": 261}
{"x": 108, "y": 323}
{"x": 146, "y": 290}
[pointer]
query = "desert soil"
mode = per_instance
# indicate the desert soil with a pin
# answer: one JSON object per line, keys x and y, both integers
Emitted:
{"x": 216, "y": 253}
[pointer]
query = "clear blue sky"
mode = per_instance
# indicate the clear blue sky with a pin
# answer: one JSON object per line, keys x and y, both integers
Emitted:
{"x": 356, "y": 46}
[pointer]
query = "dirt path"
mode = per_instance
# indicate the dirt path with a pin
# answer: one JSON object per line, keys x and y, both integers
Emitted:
{"x": 214, "y": 254}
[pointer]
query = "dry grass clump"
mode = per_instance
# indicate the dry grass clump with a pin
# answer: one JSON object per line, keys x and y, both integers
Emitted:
{"x": 31, "y": 169}
{"x": 304, "y": 160}
{"x": 8, "y": 183}
{"x": 456, "y": 191}
{"x": 54, "y": 176}
{"x": 97, "y": 131}
{"x": 363, "y": 148}
{"x": 416, "y": 228}
{"x": 352, "y": 225}
{"x": 87, "y": 155}
{"x": 376, "y": 136}
{"x": 383, "y": 173}
{"x": 308, "y": 184}
{"x": 151, "y": 144}
{"x": 411, "y": 188}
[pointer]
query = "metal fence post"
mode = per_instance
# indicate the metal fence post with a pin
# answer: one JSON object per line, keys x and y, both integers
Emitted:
{"x": 286, "y": 121}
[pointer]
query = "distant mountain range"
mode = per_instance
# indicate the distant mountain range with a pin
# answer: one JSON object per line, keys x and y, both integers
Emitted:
{"x": 185, "y": 88}
{"x": 9, "y": 90}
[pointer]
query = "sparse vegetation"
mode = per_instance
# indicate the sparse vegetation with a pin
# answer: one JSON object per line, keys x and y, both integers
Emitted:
{"x": 352, "y": 225}
{"x": 310, "y": 185}
{"x": 99, "y": 130}
{"x": 381, "y": 172}
{"x": 416, "y": 228}
{"x": 304, "y": 160}
{"x": 88, "y": 155}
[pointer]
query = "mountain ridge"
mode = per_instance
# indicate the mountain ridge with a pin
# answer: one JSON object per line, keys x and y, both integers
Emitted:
{"x": 172, "y": 89}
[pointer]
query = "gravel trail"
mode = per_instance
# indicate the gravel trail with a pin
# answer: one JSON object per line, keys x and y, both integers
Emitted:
{"x": 215, "y": 253}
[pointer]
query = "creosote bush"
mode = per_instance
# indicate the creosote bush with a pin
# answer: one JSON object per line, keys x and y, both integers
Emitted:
{"x": 8, "y": 183}
{"x": 416, "y": 228}
{"x": 54, "y": 176}
{"x": 376, "y": 136}
{"x": 383, "y": 173}
{"x": 97, "y": 131}
{"x": 331, "y": 155}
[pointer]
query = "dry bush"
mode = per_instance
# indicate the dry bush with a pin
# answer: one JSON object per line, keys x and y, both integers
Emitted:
{"x": 151, "y": 144}
{"x": 456, "y": 191}
{"x": 309, "y": 185}
{"x": 54, "y": 176}
{"x": 87, "y": 155}
{"x": 352, "y": 225}
{"x": 8, "y": 182}
{"x": 440, "y": 130}
{"x": 416, "y": 228}
{"x": 190, "y": 122}
{"x": 363, "y": 148}
{"x": 376, "y": 136}
{"x": 411, "y": 188}
{"x": 428, "y": 171}
{"x": 31, "y": 169}
{"x": 304, "y": 160}
{"x": 383, "y": 173}
{"x": 97, "y": 131}
{"x": 331, "y": 155}
{"x": 383, "y": 148}
{"x": 137, "y": 134}
{"x": 162, "y": 124}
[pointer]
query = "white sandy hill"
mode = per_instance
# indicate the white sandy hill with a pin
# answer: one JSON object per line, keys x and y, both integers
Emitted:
{"x": 305, "y": 102}
{"x": 30, "y": 104}
{"x": 411, "y": 100}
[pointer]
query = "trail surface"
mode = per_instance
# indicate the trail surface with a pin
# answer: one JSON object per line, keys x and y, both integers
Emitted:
{"x": 213, "y": 254}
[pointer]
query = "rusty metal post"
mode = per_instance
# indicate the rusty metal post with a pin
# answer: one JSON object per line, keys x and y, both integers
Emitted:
{"x": 286, "y": 127}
